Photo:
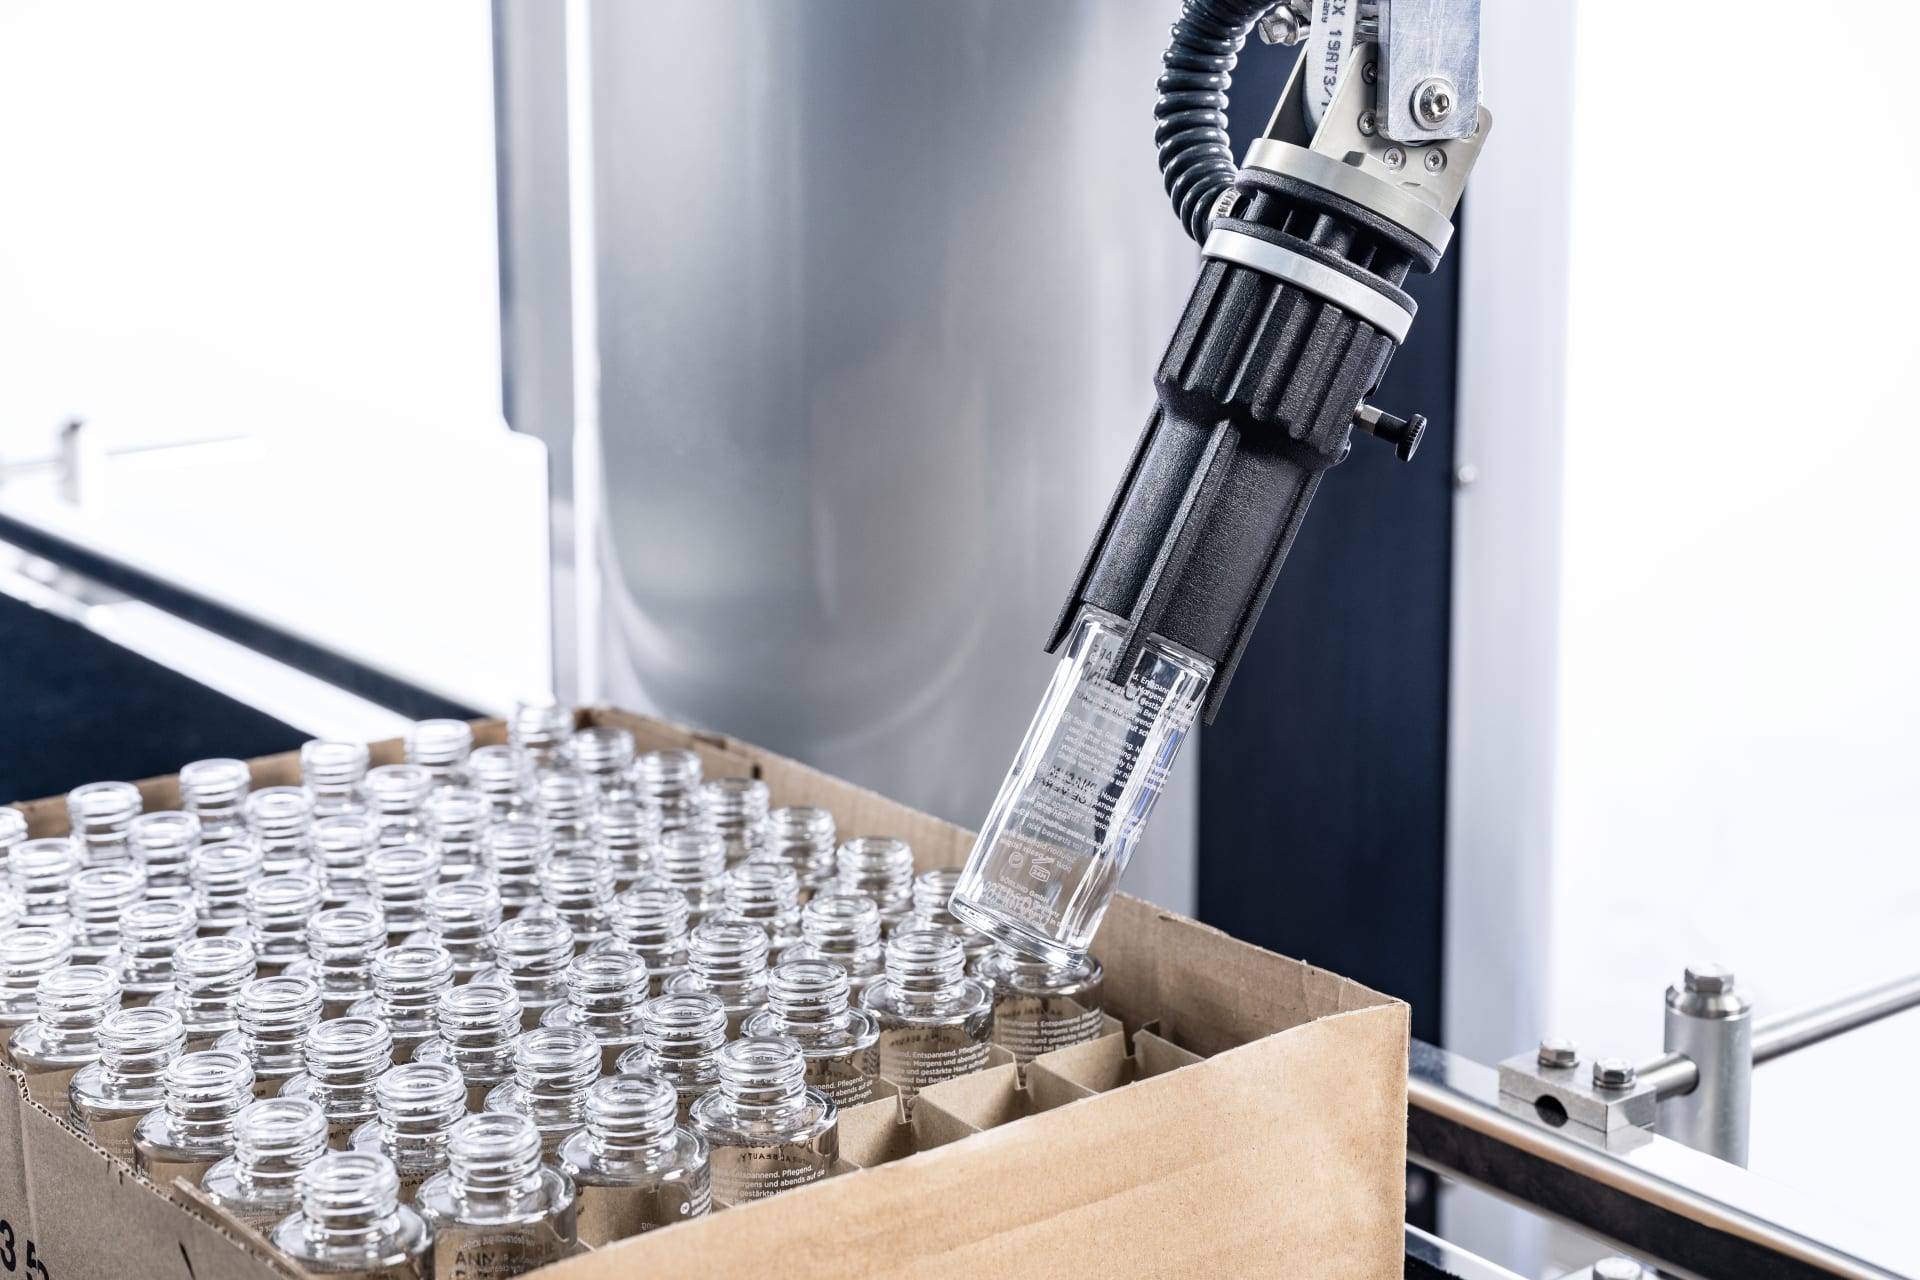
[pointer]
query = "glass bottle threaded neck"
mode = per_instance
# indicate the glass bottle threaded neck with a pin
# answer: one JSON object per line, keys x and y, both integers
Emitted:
{"x": 625, "y": 833}
{"x": 163, "y": 844}
{"x": 478, "y": 1024}
{"x": 880, "y": 867}
{"x": 694, "y": 862}
{"x": 456, "y": 819}
{"x": 150, "y": 932}
{"x": 462, "y": 916}
{"x": 335, "y": 775}
{"x": 809, "y": 992}
{"x": 137, "y": 1044}
{"x": 346, "y": 1054}
{"x": 579, "y": 887}
{"x": 215, "y": 791}
{"x": 100, "y": 816}
{"x": 763, "y": 1071}
{"x": 441, "y": 747}
{"x": 555, "y": 1066}
{"x": 669, "y": 779}
{"x": 28, "y": 953}
{"x": 736, "y": 810}
{"x": 42, "y": 872}
{"x": 279, "y": 819}
{"x": 501, "y": 775}
{"x": 652, "y": 921}
{"x": 396, "y": 792}
{"x": 400, "y": 876}
{"x": 538, "y": 730}
{"x": 767, "y": 893}
{"x": 534, "y": 953}
{"x": 408, "y": 982}
{"x": 495, "y": 1155}
{"x": 687, "y": 1027}
{"x": 603, "y": 753}
{"x": 804, "y": 838}
{"x": 275, "y": 1139}
{"x": 925, "y": 962}
{"x": 76, "y": 997}
{"x": 419, "y": 1103}
{"x": 275, "y": 1015}
{"x": 512, "y": 853}
{"x": 607, "y": 985}
{"x": 632, "y": 1114}
{"x": 341, "y": 845}
{"x": 280, "y": 908}
{"x": 96, "y": 899}
{"x": 221, "y": 874}
{"x": 206, "y": 1090}
{"x": 207, "y": 976}
{"x": 349, "y": 1200}
{"x": 845, "y": 926}
{"x": 728, "y": 957}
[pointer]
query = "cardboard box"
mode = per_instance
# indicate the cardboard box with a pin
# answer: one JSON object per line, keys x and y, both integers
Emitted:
{"x": 1252, "y": 1121}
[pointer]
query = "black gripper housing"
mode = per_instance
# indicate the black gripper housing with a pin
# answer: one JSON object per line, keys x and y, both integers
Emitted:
{"x": 1257, "y": 392}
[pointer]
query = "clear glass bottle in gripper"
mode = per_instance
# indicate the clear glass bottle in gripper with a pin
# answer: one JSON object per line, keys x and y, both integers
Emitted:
{"x": 220, "y": 874}
{"x": 935, "y": 1022}
{"x": 275, "y": 1014}
{"x": 553, "y": 1067}
{"x": 694, "y": 862}
{"x": 280, "y": 909}
{"x": 274, "y": 1140}
{"x": 335, "y": 775}
{"x": 1039, "y": 1006}
{"x": 803, "y": 837}
{"x": 344, "y": 1057}
{"x": 341, "y": 945}
{"x": 651, "y": 922}
{"x": 882, "y": 868}
{"x": 603, "y": 754}
{"x": 192, "y": 1130}
{"x": 42, "y": 872}
{"x": 351, "y": 1223}
{"x": 578, "y": 887}
{"x": 441, "y": 747}
{"x": 670, "y": 782}
{"x": 397, "y": 793}
{"x": 215, "y": 791}
{"x": 400, "y": 876}
{"x": 462, "y": 917}
{"x": 634, "y": 1167}
{"x": 680, "y": 1039}
{"x": 843, "y": 928}
{"x": 766, "y": 894}
{"x": 625, "y": 834}
{"x": 511, "y": 854}
{"x": 478, "y": 1024}
{"x": 766, "y": 1131}
{"x": 736, "y": 811}
{"x": 605, "y": 992}
{"x": 150, "y": 933}
{"x": 498, "y": 1210}
{"x": 728, "y": 961}
{"x": 342, "y": 843}
{"x": 96, "y": 899}
{"x": 407, "y": 985}
{"x": 1080, "y": 791}
{"x": 162, "y": 844}
{"x": 418, "y": 1103}
{"x": 73, "y": 1002}
{"x": 108, "y": 1097}
{"x": 100, "y": 816}
{"x": 537, "y": 732}
{"x": 506, "y": 782}
{"x": 207, "y": 976}
{"x": 27, "y": 954}
{"x": 532, "y": 954}
{"x": 456, "y": 820}
{"x": 807, "y": 1002}
{"x": 280, "y": 820}
{"x": 932, "y": 899}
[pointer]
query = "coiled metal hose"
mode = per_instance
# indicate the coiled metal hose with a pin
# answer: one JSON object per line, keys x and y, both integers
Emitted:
{"x": 1190, "y": 115}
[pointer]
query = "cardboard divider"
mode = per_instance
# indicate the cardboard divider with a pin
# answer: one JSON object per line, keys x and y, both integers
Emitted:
{"x": 1101, "y": 1066}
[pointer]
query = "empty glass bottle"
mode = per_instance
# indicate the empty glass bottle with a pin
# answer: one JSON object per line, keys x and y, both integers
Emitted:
{"x": 497, "y": 1210}
{"x": 882, "y": 868}
{"x": 280, "y": 909}
{"x": 342, "y": 843}
{"x": 274, "y": 1140}
{"x": 565, "y": 803}
{"x": 27, "y": 954}
{"x": 335, "y": 775}
{"x": 736, "y": 811}
{"x": 500, "y": 775}
{"x": 456, "y": 819}
{"x": 766, "y": 894}
{"x": 351, "y": 1223}
{"x": 605, "y": 992}
{"x": 215, "y": 791}
{"x": 12, "y": 910}
{"x": 807, "y": 1002}
{"x": 220, "y": 874}
{"x": 108, "y": 1097}
{"x": 538, "y": 730}
{"x": 694, "y": 862}
{"x": 935, "y": 1022}
{"x": 553, "y": 1067}
{"x": 344, "y": 1057}
{"x": 843, "y": 928}
{"x": 162, "y": 843}
{"x": 766, "y": 1131}
{"x": 43, "y": 872}
{"x": 625, "y": 833}
{"x": 279, "y": 819}
{"x": 512, "y": 853}
{"x": 932, "y": 894}
{"x": 670, "y": 782}
{"x": 579, "y": 889}
{"x": 441, "y": 748}
{"x": 730, "y": 961}
{"x": 150, "y": 932}
{"x": 400, "y": 876}
{"x": 397, "y": 792}
{"x": 419, "y": 1103}
{"x": 341, "y": 945}
{"x": 478, "y": 1024}
{"x": 207, "y": 976}
{"x": 408, "y": 982}
{"x": 100, "y": 815}
{"x": 462, "y": 916}
{"x": 96, "y": 898}
{"x": 803, "y": 837}
{"x": 1038, "y": 1006}
{"x": 603, "y": 753}
{"x": 193, "y": 1129}
{"x": 532, "y": 953}
{"x": 651, "y": 922}
{"x": 680, "y": 1039}
{"x": 71, "y": 1004}
{"x": 275, "y": 1015}
{"x": 633, "y": 1167}
{"x": 13, "y": 830}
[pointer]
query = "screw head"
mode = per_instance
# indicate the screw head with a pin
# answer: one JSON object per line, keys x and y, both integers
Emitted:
{"x": 1369, "y": 72}
{"x": 1436, "y": 160}
{"x": 1393, "y": 158}
{"x": 1368, "y": 122}
{"x": 1557, "y": 1051}
{"x": 1709, "y": 980}
{"x": 1613, "y": 1073}
{"x": 1434, "y": 101}
{"x": 1618, "y": 1269}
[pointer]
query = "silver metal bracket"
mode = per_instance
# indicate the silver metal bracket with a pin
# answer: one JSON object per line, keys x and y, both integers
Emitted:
{"x": 1430, "y": 69}
{"x": 1568, "y": 1096}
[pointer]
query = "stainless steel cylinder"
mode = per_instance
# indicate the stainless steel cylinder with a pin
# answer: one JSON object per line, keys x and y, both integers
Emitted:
{"x": 1712, "y": 1024}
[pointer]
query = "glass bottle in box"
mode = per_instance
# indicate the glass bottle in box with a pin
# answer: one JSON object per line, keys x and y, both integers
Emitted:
{"x": 71, "y": 1003}
{"x": 935, "y": 1022}
{"x": 108, "y": 1097}
{"x": 634, "y": 1167}
{"x": 417, "y": 1105}
{"x": 192, "y": 1130}
{"x": 274, "y": 1139}
{"x": 765, "y": 1130}
{"x": 498, "y": 1210}
{"x": 351, "y": 1223}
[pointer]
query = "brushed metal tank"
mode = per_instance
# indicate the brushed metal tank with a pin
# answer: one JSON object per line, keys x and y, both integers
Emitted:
{"x": 882, "y": 287}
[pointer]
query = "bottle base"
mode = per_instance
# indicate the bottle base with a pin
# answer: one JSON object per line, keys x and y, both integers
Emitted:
{"x": 1014, "y": 936}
